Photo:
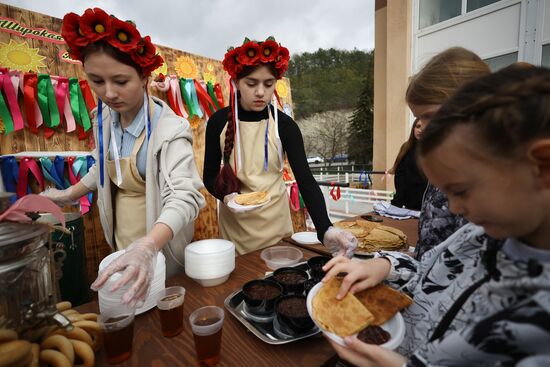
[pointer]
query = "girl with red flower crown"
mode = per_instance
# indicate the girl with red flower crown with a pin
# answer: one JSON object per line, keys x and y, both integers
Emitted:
{"x": 251, "y": 136}
{"x": 147, "y": 181}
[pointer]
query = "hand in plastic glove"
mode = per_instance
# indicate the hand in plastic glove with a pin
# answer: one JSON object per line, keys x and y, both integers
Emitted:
{"x": 60, "y": 197}
{"x": 241, "y": 209}
{"x": 340, "y": 242}
{"x": 138, "y": 264}
{"x": 362, "y": 354}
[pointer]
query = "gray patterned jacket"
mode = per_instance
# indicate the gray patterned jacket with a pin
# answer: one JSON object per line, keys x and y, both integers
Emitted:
{"x": 504, "y": 321}
{"x": 436, "y": 222}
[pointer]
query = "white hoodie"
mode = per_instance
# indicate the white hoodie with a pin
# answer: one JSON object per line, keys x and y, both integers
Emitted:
{"x": 172, "y": 183}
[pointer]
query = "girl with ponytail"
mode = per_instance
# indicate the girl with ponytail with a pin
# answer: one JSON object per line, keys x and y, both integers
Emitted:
{"x": 249, "y": 138}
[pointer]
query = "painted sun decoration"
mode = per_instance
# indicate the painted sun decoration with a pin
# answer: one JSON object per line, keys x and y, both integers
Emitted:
{"x": 186, "y": 67}
{"x": 19, "y": 56}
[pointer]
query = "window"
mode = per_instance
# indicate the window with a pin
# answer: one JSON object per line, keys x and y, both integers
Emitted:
{"x": 499, "y": 62}
{"x": 476, "y": 4}
{"x": 546, "y": 56}
{"x": 435, "y": 11}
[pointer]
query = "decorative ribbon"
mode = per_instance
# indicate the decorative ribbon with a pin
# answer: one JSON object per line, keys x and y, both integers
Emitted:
{"x": 277, "y": 137}
{"x": 190, "y": 97}
{"x": 78, "y": 106}
{"x": 90, "y": 161}
{"x": 335, "y": 192}
{"x": 29, "y": 100}
{"x": 237, "y": 145}
{"x": 10, "y": 174}
{"x": 87, "y": 94}
{"x": 204, "y": 99}
{"x": 219, "y": 94}
{"x": 174, "y": 97}
{"x": 27, "y": 164}
{"x": 100, "y": 138}
{"x": 11, "y": 96}
{"x": 294, "y": 197}
{"x": 266, "y": 141}
{"x": 5, "y": 116}
{"x": 65, "y": 110}
{"x": 212, "y": 94}
{"x": 146, "y": 114}
{"x": 49, "y": 172}
{"x": 59, "y": 164}
{"x": 47, "y": 101}
{"x": 78, "y": 168}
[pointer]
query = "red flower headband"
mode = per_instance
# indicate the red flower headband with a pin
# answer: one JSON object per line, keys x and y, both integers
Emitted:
{"x": 253, "y": 53}
{"x": 96, "y": 25}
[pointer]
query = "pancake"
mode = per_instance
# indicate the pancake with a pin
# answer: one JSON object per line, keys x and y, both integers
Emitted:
{"x": 383, "y": 302}
{"x": 252, "y": 198}
{"x": 342, "y": 317}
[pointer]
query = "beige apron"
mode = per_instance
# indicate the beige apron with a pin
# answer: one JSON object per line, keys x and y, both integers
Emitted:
{"x": 267, "y": 225}
{"x": 130, "y": 222}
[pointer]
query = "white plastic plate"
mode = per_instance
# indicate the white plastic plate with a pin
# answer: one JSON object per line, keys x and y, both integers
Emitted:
{"x": 395, "y": 326}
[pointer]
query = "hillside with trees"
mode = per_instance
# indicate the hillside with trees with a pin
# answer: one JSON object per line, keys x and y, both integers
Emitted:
{"x": 326, "y": 86}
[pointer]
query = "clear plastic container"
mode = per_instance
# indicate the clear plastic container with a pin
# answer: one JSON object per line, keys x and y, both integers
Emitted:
{"x": 280, "y": 256}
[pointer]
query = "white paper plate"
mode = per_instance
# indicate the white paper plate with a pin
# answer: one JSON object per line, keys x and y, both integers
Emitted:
{"x": 233, "y": 205}
{"x": 305, "y": 238}
{"x": 395, "y": 326}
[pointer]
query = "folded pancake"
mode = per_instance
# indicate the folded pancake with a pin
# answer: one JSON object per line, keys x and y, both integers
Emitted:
{"x": 342, "y": 317}
{"x": 383, "y": 302}
{"x": 252, "y": 198}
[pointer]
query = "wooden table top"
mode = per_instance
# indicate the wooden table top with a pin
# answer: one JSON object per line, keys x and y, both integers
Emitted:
{"x": 239, "y": 346}
{"x": 408, "y": 226}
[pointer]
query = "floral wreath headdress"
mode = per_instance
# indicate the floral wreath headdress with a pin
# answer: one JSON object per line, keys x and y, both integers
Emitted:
{"x": 253, "y": 53}
{"x": 96, "y": 25}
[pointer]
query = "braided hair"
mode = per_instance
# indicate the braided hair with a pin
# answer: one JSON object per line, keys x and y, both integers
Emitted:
{"x": 507, "y": 110}
{"x": 226, "y": 181}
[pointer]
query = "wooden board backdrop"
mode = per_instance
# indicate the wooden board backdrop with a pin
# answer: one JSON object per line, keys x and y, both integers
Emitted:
{"x": 96, "y": 247}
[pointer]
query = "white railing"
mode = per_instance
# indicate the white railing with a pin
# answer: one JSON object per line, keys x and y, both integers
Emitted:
{"x": 352, "y": 201}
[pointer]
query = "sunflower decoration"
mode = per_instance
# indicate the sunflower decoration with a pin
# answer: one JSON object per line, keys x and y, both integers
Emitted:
{"x": 282, "y": 88}
{"x": 252, "y": 53}
{"x": 19, "y": 56}
{"x": 95, "y": 25}
{"x": 209, "y": 77}
{"x": 186, "y": 67}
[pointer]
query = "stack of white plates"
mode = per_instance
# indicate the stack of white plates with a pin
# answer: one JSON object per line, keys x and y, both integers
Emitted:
{"x": 210, "y": 262}
{"x": 108, "y": 299}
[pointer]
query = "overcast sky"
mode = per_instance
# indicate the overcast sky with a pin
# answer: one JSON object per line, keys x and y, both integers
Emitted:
{"x": 208, "y": 27}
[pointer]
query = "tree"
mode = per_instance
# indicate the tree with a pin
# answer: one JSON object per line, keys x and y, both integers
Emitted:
{"x": 360, "y": 133}
{"x": 326, "y": 134}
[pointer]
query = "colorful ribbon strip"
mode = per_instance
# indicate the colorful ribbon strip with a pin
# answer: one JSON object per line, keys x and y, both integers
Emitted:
{"x": 28, "y": 165}
{"x": 10, "y": 94}
{"x": 335, "y": 192}
{"x": 10, "y": 173}
{"x": 50, "y": 173}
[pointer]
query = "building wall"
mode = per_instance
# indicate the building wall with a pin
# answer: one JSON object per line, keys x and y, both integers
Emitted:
{"x": 391, "y": 71}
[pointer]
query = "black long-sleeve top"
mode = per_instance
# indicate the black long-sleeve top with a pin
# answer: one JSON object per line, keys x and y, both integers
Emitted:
{"x": 410, "y": 183}
{"x": 293, "y": 145}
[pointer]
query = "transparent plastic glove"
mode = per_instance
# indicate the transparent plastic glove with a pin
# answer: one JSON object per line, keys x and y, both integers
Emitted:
{"x": 137, "y": 264}
{"x": 60, "y": 197}
{"x": 229, "y": 197}
{"x": 340, "y": 242}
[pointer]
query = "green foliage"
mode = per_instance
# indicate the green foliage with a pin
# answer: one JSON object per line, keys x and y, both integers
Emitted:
{"x": 327, "y": 80}
{"x": 360, "y": 136}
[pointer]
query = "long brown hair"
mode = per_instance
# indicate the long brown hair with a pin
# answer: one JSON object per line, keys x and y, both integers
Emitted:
{"x": 507, "y": 110}
{"x": 405, "y": 148}
{"x": 226, "y": 181}
{"x": 443, "y": 75}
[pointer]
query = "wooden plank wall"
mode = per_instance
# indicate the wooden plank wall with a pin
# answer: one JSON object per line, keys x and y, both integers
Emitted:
{"x": 20, "y": 141}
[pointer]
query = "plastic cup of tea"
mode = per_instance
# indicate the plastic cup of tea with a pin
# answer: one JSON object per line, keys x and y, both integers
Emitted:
{"x": 118, "y": 333}
{"x": 170, "y": 306}
{"x": 207, "y": 323}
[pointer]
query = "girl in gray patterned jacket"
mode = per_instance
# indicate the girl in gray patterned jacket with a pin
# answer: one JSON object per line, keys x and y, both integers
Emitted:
{"x": 482, "y": 297}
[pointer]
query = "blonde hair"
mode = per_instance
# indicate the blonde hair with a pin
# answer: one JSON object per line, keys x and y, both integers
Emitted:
{"x": 443, "y": 75}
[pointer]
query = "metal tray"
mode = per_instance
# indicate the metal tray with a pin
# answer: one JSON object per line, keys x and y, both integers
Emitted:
{"x": 266, "y": 331}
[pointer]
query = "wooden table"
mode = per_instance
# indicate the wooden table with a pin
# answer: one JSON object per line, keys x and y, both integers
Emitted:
{"x": 239, "y": 346}
{"x": 408, "y": 226}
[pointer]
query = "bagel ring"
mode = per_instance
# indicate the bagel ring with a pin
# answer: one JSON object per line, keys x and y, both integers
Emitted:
{"x": 92, "y": 328}
{"x": 7, "y": 335}
{"x": 84, "y": 352}
{"x": 54, "y": 358}
{"x": 14, "y": 352}
{"x": 76, "y": 333}
{"x": 63, "y": 306}
{"x": 60, "y": 343}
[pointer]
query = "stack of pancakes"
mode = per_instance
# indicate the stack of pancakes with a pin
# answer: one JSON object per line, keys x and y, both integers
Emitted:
{"x": 372, "y": 306}
{"x": 252, "y": 198}
{"x": 374, "y": 236}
